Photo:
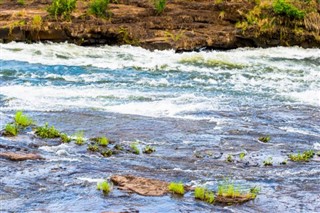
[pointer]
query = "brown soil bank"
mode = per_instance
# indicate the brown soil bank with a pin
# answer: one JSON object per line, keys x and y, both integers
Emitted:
{"x": 183, "y": 25}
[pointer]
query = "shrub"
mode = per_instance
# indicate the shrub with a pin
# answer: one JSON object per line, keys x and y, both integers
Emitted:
{"x": 98, "y": 7}
{"x": 204, "y": 194}
{"x": 22, "y": 120}
{"x": 176, "y": 188}
{"x": 104, "y": 187}
{"x": 62, "y": 8}
{"x": 11, "y": 130}
{"x": 159, "y": 5}
{"x": 47, "y": 132}
{"x": 281, "y": 7}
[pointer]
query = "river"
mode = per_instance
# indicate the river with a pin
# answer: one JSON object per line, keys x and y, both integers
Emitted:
{"x": 185, "y": 104}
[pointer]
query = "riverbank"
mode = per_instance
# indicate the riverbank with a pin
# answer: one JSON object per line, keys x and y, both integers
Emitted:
{"x": 182, "y": 26}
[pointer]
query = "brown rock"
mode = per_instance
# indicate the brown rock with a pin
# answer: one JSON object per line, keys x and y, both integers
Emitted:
{"x": 140, "y": 185}
{"x": 234, "y": 200}
{"x": 20, "y": 156}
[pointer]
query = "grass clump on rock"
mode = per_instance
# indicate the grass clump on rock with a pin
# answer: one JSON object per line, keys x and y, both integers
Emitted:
{"x": 79, "y": 138}
{"x": 176, "y": 188}
{"x": 302, "y": 157}
{"x": 98, "y": 7}
{"x": 159, "y": 5}
{"x": 148, "y": 149}
{"x": 103, "y": 141}
{"x": 265, "y": 139}
{"x": 10, "y": 130}
{"x": 22, "y": 120}
{"x": 104, "y": 187}
{"x": 204, "y": 194}
{"x": 47, "y": 132}
{"x": 65, "y": 138}
{"x": 134, "y": 148}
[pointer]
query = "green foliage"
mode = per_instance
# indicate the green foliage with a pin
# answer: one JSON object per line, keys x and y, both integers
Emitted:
{"x": 21, "y": 2}
{"x": 305, "y": 156}
{"x": 176, "y": 188}
{"x": 268, "y": 162}
{"x": 65, "y": 138}
{"x": 93, "y": 148}
{"x": 106, "y": 153}
{"x": 242, "y": 155}
{"x": 79, "y": 138}
{"x": 22, "y": 120}
{"x": 265, "y": 139}
{"x": 204, "y": 194}
{"x": 47, "y": 132}
{"x": 98, "y": 7}
{"x": 104, "y": 187}
{"x": 37, "y": 22}
{"x": 62, "y": 8}
{"x": 103, "y": 141}
{"x": 11, "y": 130}
{"x": 159, "y": 5}
{"x": 148, "y": 149}
{"x": 135, "y": 149}
{"x": 230, "y": 190}
{"x": 229, "y": 158}
{"x": 282, "y": 7}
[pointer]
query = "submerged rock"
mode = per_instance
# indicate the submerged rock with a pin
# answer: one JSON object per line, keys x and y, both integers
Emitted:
{"x": 20, "y": 156}
{"x": 140, "y": 185}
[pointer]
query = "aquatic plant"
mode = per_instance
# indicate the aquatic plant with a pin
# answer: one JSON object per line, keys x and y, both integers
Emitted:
{"x": 10, "y": 130}
{"x": 65, "y": 138}
{"x": 134, "y": 148}
{"x": 47, "y": 132}
{"x": 159, "y": 5}
{"x": 305, "y": 156}
{"x": 229, "y": 158}
{"x": 22, "y": 120}
{"x": 106, "y": 153}
{"x": 104, "y": 187}
{"x": 204, "y": 194}
{"x": 242, "y": 155}
{"x": 93, "y": 148}
{"x": 176, "y": 188}
{"x": 98, "y": 7}
{"x": 268, "y": 162}
{"x": 148, "y": 149}
{"x": 118, "y": 147}
{"x": 79, "y": 138}
{"x": 264, "y": 139}
{"x": 103, "y": 141}
{"x": 228, "y": 189}
{"x": 62, "y": 8}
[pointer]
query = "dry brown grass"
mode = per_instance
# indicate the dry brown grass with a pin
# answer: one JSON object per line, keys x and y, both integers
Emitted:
{"x": 312, "y": 22}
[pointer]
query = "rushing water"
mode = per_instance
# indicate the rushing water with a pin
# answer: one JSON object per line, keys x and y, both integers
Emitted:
{"x": 183, "y": 104}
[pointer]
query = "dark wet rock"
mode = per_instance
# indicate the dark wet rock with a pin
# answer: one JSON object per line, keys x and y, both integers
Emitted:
{"x": 20, "y": 156}
{"x": 140, "y": 185}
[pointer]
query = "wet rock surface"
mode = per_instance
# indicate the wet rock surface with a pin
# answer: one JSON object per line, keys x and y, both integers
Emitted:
{"x": 20, "y": 156}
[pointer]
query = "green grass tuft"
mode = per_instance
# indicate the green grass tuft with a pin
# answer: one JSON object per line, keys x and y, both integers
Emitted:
{"x": 47, "y": 132}
{"x": 65, "y": 138}
{"x": 11, "y": 130}
{"x": 104, "y": 187}
{"x": 159, "y": 5}
{"x": 204, "y": 194}
{"x": 176, "y": 188}
{"x": 103, "y": 141}
{"x": 98, "y": 7}
{"x": 265, "y": 139}
{"x": 62, "y": 8}
{"x": 304, "y": 157}
{"x": 134, "y": 148}
{"x": 79, "y": 138}
{"x": 22, "y": 120}
{"x": 148, "y": 149}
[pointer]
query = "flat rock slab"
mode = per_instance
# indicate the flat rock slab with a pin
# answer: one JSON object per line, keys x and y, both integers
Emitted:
{"x": 20, "y": 156}
{"x": 140, "y": 185}
{"x": 233, "y": 200}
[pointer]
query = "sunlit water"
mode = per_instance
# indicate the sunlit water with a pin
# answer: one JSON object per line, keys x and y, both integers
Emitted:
{"x": 182, "y": 103}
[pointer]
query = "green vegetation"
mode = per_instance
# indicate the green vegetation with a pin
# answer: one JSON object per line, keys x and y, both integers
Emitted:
{"x": 176, "y": 188}
{"x": 11, "y": 130}
{"x": 93, "y": 148}
{"x": 204, "y": 194}
{"x": 228, "y": 189}
{"x": 148, "y": 149}
{"x": 65, "y": 138}
{"x": 281, "y": 7}
{"x": 79, "y": 138}
{"x": 268, "y": 162}
{"x": 62, "y": 8}
{"x": 22, "y": 120}
{"x": 229, "y": 158}
{"x": 265, "y": 139}
{"x": 242, "y": 155}
{"x": 21, "y": 2}
{"x": 47, "y": 132}
{"x": 106, "y": 153}
{"x": 134, "y": 148}
{"x": 103, "y": 141}
{"x": 304, "y": 157}
{"x": 37, "y": 22}
{"x": 104, "y": 187}
{"x": 98, "y": 7}
{"x": 159, "y": 5}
